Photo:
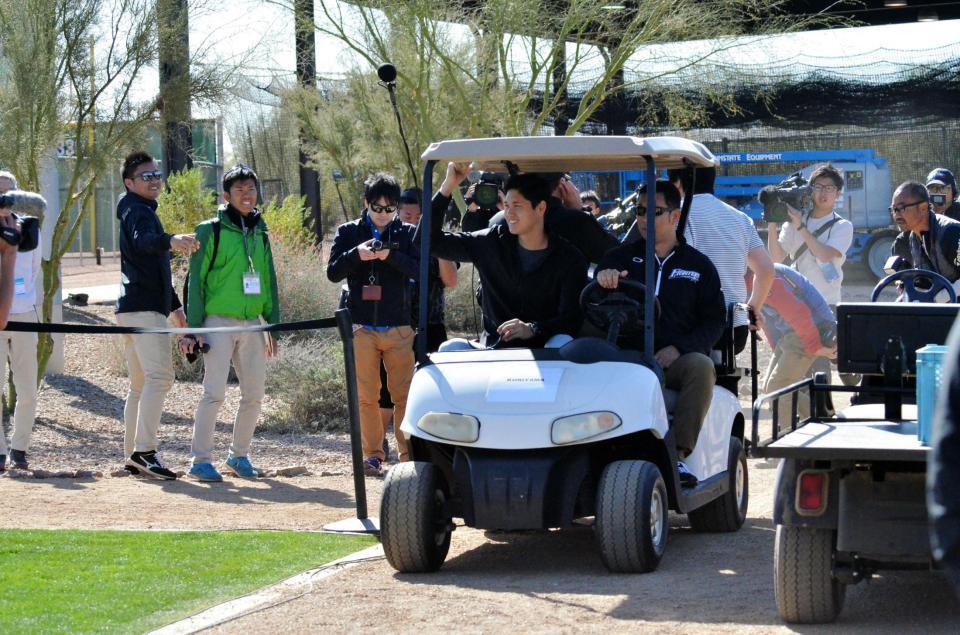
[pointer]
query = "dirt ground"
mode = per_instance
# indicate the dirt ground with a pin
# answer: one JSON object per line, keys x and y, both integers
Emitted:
{"x": 550, "y": 581}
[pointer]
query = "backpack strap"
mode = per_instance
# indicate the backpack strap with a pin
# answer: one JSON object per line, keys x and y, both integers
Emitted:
{"x": 803, "y": 248}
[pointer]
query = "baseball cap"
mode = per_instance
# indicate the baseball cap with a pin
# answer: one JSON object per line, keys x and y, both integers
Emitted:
{"x": 943, "y": 176}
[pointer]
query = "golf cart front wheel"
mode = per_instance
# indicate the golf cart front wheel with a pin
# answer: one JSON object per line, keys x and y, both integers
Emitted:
{"x": 413, "y": 530}
{"x": 632, "y": 516}
{"x": 728, "y": 512}
{"x": 806, "y": 591}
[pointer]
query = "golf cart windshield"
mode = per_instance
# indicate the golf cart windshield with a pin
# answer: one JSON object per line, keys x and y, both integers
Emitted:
{"x": 558, "y": 154}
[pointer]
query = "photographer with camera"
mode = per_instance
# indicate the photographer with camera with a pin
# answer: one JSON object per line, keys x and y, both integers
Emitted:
{"x": 20, "y": 347}
{"x": 147, "y": 298}
{"x": 484, "y": 200}
{"x": 942, "y": 187}
{"x": 814, "y": 237}
{"x": 377, "y": 257}
{"x": 590, "y": 203}
{"x": 800, "y": 328}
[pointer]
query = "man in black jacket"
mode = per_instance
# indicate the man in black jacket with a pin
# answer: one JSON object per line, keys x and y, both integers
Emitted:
{"x": 147, "y": 298}
{"x": 377, "y": 257}
{"x": 531, "y": 277}
{"x": 926, "y": 240}
{"x": 692, "y": 313}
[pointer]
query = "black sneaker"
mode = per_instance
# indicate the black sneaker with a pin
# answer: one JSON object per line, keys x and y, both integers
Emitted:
{"x": 149, "y": 465}
{"x": 18, "y": 459}
{"x": 3, "y": 463}
{"x": 687, "y": 478}
{"x": 131, "y": 470}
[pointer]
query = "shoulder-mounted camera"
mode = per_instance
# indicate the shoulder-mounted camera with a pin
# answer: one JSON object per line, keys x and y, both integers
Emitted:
{"x": 793, "y": 191}
{"x": 26, "y": 235}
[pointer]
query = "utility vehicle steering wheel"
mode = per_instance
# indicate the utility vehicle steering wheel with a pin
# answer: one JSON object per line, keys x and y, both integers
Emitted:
{"x": 621, "y": 307}
{"x": 936, "y": 284}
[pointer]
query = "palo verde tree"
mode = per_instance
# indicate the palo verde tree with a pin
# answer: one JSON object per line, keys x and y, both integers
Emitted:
{"x": 70, "y": 74}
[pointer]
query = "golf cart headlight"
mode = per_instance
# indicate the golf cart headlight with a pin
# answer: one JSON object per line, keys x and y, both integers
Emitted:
{"x": 450, "y": 426}
{"x": 582, "y": 426}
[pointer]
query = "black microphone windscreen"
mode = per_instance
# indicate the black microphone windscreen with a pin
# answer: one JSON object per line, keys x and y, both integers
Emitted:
{"x": 387, "y": 72}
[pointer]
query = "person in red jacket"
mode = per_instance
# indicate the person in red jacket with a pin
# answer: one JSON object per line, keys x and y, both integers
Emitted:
{"x": 799, "y": 326}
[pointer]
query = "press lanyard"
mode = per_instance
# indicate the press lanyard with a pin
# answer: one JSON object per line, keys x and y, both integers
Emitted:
{"x": 246, "y": 251}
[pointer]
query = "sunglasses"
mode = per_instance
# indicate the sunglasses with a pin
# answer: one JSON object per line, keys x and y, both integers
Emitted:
{"x": 146, "y": 177}
{"x": 642, "y": 211}
{"x": 383, "y": 209}
{"x": 900, "y": 209}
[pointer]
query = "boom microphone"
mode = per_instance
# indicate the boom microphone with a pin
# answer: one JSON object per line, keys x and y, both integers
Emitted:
{"x": 387, "y": 73}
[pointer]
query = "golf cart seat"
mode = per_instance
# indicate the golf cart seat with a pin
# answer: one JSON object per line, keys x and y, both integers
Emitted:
{"x": 589, "y": 350}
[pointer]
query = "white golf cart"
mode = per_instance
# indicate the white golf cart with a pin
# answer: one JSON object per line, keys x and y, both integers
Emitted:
{"x": 520, "y": 439}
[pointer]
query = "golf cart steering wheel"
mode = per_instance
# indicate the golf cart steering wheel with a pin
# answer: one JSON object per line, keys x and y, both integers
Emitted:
{"x": 621, "y": 307}
{"x": 937, "y": 283}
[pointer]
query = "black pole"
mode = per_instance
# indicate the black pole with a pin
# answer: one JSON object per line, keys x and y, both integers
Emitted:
{"x": 426, "y": 207}
{"x": 391, "y": 86}
{"x": 343, "y": 207}
{"x": 648, "y": 317}
{"x": 345, "y": 326}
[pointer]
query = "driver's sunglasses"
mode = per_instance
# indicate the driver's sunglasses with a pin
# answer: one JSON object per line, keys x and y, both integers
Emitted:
{"x": 642, "y": 211}
{"x": 900, "y": 209}
{"x": 383, "y": 209}
{"x": 146, "y": 177}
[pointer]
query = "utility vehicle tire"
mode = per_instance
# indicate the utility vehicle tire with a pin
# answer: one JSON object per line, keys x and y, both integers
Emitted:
{"x": 728, "y": 512}
{"x": 806, "y": 591}
{"x": 877, "y": 253}
{"x": 632, "y": 516}
{"x": 415, "y": 535}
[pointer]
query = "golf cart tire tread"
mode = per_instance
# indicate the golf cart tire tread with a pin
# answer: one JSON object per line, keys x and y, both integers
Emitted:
{"x": 406, "y": 519}
{"x": 622, "y": 522}
{"x": 805, "y": 589}
{"x": 723, "y": 514}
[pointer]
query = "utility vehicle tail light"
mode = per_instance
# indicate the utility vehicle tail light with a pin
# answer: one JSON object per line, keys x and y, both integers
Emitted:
{"x": 811, "y": 493}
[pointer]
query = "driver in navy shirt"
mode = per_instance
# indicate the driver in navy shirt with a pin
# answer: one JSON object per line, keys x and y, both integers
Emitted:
{"x": 692, "y": 313}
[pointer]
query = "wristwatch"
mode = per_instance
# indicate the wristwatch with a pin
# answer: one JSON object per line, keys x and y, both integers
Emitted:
{"x": 534, "y": 328}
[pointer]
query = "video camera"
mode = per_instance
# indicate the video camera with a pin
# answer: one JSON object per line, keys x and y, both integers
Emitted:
{"x": 377, "y": 245}
{"x": 486, "y": 191}
{"x": 793, "y": 191}
{"x": 26, "y": 236}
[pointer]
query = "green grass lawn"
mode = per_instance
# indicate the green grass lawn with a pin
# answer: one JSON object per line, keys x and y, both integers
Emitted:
{"x": 132, "y": 581}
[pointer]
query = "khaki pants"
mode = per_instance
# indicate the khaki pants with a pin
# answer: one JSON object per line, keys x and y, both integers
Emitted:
{"x": 790, "y": 363}
{"x": 693, "y": 376}
{"x": 150, "y": 368}
{"x": 246, "y": 351}
{"x": 22, "y": 350}
{"x": 395, "y": 347}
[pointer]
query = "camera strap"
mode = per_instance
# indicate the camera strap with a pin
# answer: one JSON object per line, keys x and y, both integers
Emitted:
{"x": 803, "y": 248}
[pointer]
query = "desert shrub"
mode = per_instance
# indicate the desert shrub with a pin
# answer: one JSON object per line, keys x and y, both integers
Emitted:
{"x": 286, "y": 222}
{"x": 185, "y": 202}
{"x": 462, "y": 312}
{"x": 309, "y": 379}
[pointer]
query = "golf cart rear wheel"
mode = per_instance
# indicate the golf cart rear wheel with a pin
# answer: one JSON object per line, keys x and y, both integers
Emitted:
{"x": 728, "y": 512}
{"x": 415, "y": 535}
{"x": 632, "y": 516}
{"x": 806, "y": 591}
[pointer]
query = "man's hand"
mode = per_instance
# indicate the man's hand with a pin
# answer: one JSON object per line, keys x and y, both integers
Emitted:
{"x": 366, "y": 252}
{"x": 758, "y": 320}
{"x": 830, "y": 352}
{"x": 383, "y": 254}
{"x": 667, "y": 355}
{"x": 184, "y": 243}
{"x": 190, "y": 344}
{"x": 610, "y": 278}
{"x": 179, "y": 318}
{"x": 568, "y": 193}
{"x": 8, "y": 220}
{"x": 795, "y": 218}
{"x": 456, "y": 173}
{"x": 271, "y": 346}
{"x": 514, "y": 330}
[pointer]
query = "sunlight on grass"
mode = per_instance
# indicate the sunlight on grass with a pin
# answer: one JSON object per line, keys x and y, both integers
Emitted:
{"x": 125, "y": 581}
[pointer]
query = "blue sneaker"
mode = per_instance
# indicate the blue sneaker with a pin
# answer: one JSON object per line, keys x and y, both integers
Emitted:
{"x": 205, "y": 472}
{"x": 240, "y": 466}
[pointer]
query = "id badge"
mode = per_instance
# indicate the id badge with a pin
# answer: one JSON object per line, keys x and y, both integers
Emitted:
{"x": 251, "y": 283}
{"x": 20, "y": 286}
{"x": 371, "y": 292}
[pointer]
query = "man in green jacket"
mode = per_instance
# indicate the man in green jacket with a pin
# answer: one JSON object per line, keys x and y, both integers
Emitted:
{"x": 232, "y": 283}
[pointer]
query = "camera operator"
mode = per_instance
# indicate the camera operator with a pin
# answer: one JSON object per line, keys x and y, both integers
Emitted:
{"x": 817, "y": 242}
{"x": 482, "y": 206}
{"x": 20, "y": 347}
{"x": 942, "y": 187}
{"x": 590, "y": 203}
{"x": 377, "y": 257}
{"x": 926, "y": 240}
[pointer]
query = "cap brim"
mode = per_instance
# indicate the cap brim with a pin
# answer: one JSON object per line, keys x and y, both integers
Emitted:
{"x": 937, "y": 182}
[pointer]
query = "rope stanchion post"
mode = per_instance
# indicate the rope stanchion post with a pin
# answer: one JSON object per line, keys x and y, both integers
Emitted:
{"x": 361, "y": 524}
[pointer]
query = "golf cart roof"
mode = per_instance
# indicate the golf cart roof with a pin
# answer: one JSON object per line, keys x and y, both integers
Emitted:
{"x": 578, "y": 153}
